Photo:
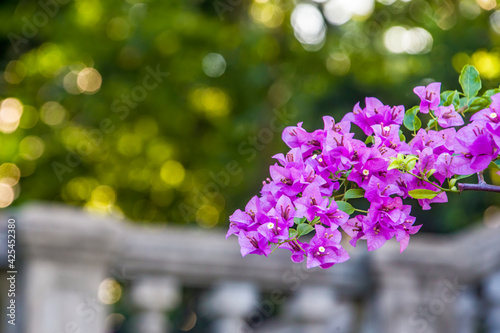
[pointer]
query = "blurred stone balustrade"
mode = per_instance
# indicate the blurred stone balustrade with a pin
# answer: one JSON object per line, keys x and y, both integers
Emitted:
{"x": 447, "y": 283}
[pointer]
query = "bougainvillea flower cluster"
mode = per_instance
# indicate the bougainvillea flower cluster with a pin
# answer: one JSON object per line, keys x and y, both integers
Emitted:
{"x": 310, "y": 187}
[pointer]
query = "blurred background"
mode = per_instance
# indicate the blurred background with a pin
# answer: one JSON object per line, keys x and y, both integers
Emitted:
{"x": 84, "y": 123}
{"x": 168, "y": 112}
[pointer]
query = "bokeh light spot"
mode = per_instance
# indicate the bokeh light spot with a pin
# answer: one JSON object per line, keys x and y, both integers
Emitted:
{"x": 80, "y": 188}
{"x": 6, "y": 195}
{"x": 268, "y": 14}
{"x": 469, "y": 9}
{"x": 492, "y": 217}
{"x": 172, "y": 173}
{"x": 495, "y": 21}
{"x": 88, "y": 12}
{"x": 52, "y": 113}
{"x": 29, "y": 117}
{"x": 308, "y": 24}
{"x": 115, "y": 321}
{"x": 487, "y": 64}
{"x": 214, "y": 65}
{"x": 70, "y": 83}
{"x": 50, "y": 59}
{"x": 336, "y": 12}
{"x": 103, "y": 197}
{"x": 118, "y": 28}
{"x": 11, "y": 110}
{"x": 130, "y": 144}
{"x": 31, "y": 148}
{"x": 338, "y": 64}
{"x": 487, "y": 4}
{"x": 89, "y": 80}
{"x": 109, "y": 291}
{"x": 213, "y": 101}
{"x": 9, "y": 174}
{"x": 189, "y": 322}
{"x": 207, "y": 216}
{"x": 159, "y": 151}
{"x": 14, "y": 72}
{"x": 398, "y": 39}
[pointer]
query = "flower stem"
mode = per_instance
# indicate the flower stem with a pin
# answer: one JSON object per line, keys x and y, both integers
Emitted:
{"x": 428, "y": 181}
{"x": 435, "y": 119}
{"x": 480, "y": 178}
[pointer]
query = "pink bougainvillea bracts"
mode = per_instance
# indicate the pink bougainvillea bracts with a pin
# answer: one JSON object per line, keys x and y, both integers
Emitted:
{"x": 310, "y": 187}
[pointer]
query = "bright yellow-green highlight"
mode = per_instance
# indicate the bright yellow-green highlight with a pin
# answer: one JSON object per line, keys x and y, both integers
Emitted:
{"x": 172, "y": 173}
{"x": 207, "y": 216}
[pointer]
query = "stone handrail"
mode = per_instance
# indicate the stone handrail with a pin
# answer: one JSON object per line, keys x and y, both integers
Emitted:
{"x": 64, "y": 254}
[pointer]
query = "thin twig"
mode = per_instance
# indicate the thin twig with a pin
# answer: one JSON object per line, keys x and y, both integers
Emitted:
{"x": 478, "y": 187}
{"x": 480, "y": 178}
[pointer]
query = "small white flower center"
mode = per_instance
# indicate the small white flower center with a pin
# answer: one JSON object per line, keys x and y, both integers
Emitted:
{"x": 320, "y": 160}
{"x": 270, "y": 225}
{"x": 493, "y": 115}
{"x": 321, "y": 249}
{"x": 366, "y": 172}
{"x": 314, "y": 156}
{"x": 387, "y": 128}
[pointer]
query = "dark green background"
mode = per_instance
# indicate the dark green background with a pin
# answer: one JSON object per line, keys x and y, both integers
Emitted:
{"x": 267, "y": 71}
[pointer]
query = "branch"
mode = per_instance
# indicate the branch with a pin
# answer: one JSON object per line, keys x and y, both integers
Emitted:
{"x": 478, "y": 187}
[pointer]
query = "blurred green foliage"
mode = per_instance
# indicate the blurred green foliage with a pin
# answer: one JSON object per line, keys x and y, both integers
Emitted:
{"x": 99, "y": 130}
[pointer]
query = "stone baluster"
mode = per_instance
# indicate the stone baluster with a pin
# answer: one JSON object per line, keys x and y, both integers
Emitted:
{"x": 492, "y": 296}
{"x": 466, "y": 312}
{"x": 397, "y": 300}
{"x": 153, "y": 296}
{"x": 316, "y": 309}
{"x": 64, "y": 255}
{"x": 232, "y": 307}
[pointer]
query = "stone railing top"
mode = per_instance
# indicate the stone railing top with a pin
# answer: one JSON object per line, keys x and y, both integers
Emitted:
{"x": 196, "y": 256}
{"x": 62, "y": 232}
{"x": 469, "y": 254}
{"x": 203, "y": 257}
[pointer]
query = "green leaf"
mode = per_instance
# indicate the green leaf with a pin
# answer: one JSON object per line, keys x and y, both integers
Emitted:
{"x": 417, "y": 123}
{"x": 395, "y": 165}
{"x": 345, "y": 207}
{"x": 470, "y": 81}
{"x": 430, "y": 173}
{"x": 453, "y": 98}
{"x": 479, "y": 103}
{"x": 491, "y": 92}
{"x": 431, "y": 123}
{"x": 464, "y": 176}
{"x": 422, "y": 194}
{"x": 494, "y": 165}
{"x": 292, "y": 233}
{"x": 369, "y": 140}
{"x": 445, "y": 95}
{"x": 411, "y": 121}
{"x": 402, "y": 136}
{"x": 299, "y": 220}
{"x": 354, "y": 193}
{"x": 304, "y": 229}
{"x": 463, "y": 102}
{"x": 410, "y": 163}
